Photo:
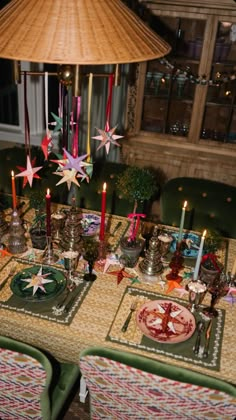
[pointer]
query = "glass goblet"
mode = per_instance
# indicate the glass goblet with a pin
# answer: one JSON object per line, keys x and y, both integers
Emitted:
{"x": 58, "y": 220}
{"x": 197, "y": 290}
{"x": 218, "y": 289}
{"x": 70, "y": 263}
{"x": 146, "y": 232}
{"x": 90, "y": 254}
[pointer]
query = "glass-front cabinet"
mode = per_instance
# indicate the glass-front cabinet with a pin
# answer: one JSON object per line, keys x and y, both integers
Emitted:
{"x": 190, "y": 93}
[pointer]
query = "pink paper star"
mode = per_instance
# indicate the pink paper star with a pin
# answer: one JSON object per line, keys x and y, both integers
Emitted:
{"x": 29, "y": 172}
{"x": 107, "y": 138}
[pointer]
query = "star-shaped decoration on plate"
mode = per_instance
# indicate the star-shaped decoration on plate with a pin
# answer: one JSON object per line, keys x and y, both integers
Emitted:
{"x": 69, "y": 176}
{"x": 75, "y": 163}
{"x": 166, "y": 318}
{"x": 37, "y": 281}
{"x": 107, "y": 138}
{"x": 121, "y": 274}
{"x": 29, "y": 172}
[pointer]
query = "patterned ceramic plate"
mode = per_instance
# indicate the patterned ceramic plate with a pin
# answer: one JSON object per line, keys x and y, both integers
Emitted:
{"x": 192, "y": 243}
{"x": 38, "y": 283}
{"x": 91, "y": 224}
{"x": 165, "y": 321}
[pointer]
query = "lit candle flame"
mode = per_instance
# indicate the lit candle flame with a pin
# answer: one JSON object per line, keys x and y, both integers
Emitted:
{"x": 104, "y": 186}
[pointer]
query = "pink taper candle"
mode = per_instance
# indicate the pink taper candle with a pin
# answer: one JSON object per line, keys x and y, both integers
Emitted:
{"x": 48, "y": 212}
{"x": 182, "y": 222}
{"x": 13, "y": 185}
{"x": 103, "y": 213}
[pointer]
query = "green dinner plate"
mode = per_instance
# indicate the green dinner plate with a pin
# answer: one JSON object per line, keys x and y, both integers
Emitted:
{"x": 20, "y": 284}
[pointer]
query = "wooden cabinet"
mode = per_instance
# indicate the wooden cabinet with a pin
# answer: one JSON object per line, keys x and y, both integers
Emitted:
{"x": 181, "y": 111}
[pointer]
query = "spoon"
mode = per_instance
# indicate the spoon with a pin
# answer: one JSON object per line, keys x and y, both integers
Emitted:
{"x": 200, "y": 329}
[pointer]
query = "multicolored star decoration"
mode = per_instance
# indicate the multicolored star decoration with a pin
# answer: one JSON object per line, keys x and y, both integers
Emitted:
{"x": 107, "y": 138}
{"x": 29, "y": 172}
{"x": 71, "y": 168}
{"x": 37, "y": 281}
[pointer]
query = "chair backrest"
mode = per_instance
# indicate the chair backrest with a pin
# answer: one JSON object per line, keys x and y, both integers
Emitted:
{"x": 25, "y": 377}
{"x": 124, "y": 385}
{"x": 211, "y": 205}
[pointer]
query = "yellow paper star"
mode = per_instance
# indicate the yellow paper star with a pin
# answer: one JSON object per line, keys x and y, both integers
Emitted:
{"x": 69, "y": 176}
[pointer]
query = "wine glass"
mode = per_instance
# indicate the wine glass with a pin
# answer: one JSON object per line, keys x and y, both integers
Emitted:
{"x": 70, "y": 263}
{"x": 90, "y": 254}
{"x": 218, "y": 289}
{"x": 146, "y": 232}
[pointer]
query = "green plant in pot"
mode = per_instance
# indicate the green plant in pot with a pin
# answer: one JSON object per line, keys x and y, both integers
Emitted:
{"x": 37, "y": 230}
{"x": 136, "y": 185}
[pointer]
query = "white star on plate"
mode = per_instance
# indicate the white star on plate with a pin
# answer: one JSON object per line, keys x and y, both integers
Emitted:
{"x": 30, "y": 172}
{"x": 107, "y": 138}
{"x": 37, "y": 281}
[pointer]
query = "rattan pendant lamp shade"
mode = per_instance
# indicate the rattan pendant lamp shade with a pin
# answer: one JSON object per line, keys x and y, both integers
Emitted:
{"x": 76, "y": 32}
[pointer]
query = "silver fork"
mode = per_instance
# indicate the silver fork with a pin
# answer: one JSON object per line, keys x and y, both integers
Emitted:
{"x": 128, "y": 319}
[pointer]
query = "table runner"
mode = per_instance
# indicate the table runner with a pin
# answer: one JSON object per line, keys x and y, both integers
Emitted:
{"x": 45, "y": 309}
{"x": 134, "y": 337}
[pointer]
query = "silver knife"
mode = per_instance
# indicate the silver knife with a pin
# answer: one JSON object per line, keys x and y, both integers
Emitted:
{"x": 208, "y": 336}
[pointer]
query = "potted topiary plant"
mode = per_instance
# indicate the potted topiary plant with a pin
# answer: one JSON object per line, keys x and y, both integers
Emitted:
{"x": 210, "y": 268}
{"x": 37, "y": 230}
{"x": 136, "y": 185}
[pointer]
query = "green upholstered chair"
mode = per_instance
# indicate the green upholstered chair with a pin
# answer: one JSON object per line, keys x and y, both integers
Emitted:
{"x": 124, "y": 385}
{"x": 32, "y": 384}
{"x": 211, "y": 205}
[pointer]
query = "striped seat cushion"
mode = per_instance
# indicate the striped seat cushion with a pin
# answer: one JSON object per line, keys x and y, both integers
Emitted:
{"x": 118, "y": 391}
{"x": 22, "y": 381}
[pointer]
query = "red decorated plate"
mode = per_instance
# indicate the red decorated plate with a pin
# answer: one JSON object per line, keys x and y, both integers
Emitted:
{"x": 165, "y": 321}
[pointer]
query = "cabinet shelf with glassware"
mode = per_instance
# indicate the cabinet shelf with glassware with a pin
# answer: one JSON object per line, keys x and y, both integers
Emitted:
{"x": 182, "y": 107}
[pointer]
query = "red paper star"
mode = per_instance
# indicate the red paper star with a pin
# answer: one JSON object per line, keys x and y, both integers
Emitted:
{"x": 4, "y": 253}
{"x": 121, "y": 274}
{"x": 29, "y": 172}
{"x": 106, "y": 138}
{"x": 46, "y": 143}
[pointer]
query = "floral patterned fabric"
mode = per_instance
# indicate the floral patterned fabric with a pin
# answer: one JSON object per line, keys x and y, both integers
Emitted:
{"x": 118, "y": 391}
{"x": 22, "y": 381}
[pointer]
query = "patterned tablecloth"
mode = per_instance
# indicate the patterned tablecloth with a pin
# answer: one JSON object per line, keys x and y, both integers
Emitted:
{"x": 98, "y": 313}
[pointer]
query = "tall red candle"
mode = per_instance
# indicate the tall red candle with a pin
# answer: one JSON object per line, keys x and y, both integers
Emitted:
{"x": 13, "y": 187}
{"x": 48, "y": 212}
{"x": 103, "y": 213}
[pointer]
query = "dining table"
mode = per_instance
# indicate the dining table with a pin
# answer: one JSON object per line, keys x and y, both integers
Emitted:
{"x": 99, "y": 309}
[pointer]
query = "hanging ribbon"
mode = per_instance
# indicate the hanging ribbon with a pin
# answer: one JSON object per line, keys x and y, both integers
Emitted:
{"x": 90, "y": 87}
{"x": 76, "y": 106}
{"x": 109, "y": 102}
{"x": 47, "y": 140}
{"x": 27, "y": 126}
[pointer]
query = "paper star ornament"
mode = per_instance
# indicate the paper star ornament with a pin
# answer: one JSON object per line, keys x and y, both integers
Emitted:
{"x": 46, "y": 144}
{"x": 120, "y": 275}
{"x": 69, "y": 176}
{"x": 173, "y": 284}
{"x": 107, "y": 138}
{"x": 37, "y": 281}
{"x": 57, "y": 123}
{"x": 75, "y": 163}
{"x": 29, "y": 172}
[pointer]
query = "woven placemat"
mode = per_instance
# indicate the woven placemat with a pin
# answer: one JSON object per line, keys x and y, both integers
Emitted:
{"x": 134, "y": 337}
{"x": 45, "y": 309}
